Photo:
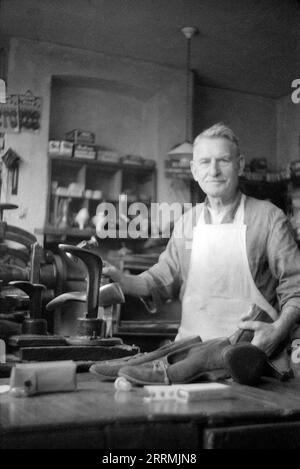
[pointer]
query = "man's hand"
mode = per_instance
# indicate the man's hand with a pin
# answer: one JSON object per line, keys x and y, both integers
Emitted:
{"x": 267, "y": 337}
{"x": 112, "y": 272}
{"x": 130, "y": 284}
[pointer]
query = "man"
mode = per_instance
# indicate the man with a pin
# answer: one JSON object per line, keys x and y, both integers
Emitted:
{"x": 225, "y": 255}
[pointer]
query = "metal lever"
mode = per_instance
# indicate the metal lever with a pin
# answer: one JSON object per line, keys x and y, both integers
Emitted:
{"x": 6, "y": 207}
{"x": 93, "y": 263}
{"x": 35, "y": 324}
{"x": 109, "y": 294}
{"x": 34, "y": 291}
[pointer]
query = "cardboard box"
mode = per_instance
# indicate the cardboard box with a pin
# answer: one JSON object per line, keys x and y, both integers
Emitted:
{"x": 66, "y": 148}
{"x": 54, "y": 147}
{"x": 84, "y": 151}
{"x": 108, "y": 156}
{"x": 80, "y": 136}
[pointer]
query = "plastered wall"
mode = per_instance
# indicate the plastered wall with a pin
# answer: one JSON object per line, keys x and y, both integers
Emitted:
{"x": 153, "y": 95}
{"x": 288, "y": 130}
{"x": 252, "y": 118}
{"x": 134, "y": 107}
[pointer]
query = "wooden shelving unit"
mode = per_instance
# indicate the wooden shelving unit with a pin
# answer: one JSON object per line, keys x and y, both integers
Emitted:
{"x": 137, "y": 181}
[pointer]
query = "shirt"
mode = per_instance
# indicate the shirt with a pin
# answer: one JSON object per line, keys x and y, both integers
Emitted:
{"x": 273, "y": 255}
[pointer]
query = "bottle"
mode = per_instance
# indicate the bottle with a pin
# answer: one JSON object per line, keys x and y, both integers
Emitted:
{"x": 82, "y": 217}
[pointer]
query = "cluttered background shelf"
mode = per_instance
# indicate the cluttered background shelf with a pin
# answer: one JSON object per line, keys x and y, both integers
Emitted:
{"x": 79, "y": 189}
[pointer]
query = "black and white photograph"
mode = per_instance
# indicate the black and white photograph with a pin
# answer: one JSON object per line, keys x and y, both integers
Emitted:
{"x": 149, "y": 229}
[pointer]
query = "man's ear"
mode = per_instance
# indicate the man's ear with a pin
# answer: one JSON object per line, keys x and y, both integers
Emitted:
{"x": 241, "y": 163}
{"x": 193, "y": 169}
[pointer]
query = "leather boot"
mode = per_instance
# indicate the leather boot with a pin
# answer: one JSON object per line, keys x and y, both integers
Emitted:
{"x": 202, "y": 362}
{"x": 215, "y": 359}
{"x": 109, "y": 369}
{"x": 278, "y": 364}
{"x": 245, "y": 363}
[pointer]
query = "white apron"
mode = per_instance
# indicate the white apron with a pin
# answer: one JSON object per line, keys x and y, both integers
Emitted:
{"x": 220, "y": 289}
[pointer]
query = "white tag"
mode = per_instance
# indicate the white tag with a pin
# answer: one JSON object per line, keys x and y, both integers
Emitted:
{"x": 4, "y": 388}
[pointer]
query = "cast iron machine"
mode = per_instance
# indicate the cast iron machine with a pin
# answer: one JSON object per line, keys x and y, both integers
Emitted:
{"x": 48, "y": 279}
{"x": 91, "y": 342}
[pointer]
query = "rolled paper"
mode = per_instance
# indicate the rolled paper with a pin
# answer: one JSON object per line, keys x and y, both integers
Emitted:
{"x": 121, "y": 384}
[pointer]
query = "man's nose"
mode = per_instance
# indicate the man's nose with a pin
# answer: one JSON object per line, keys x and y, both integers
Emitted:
{"x": 213, "y": 168}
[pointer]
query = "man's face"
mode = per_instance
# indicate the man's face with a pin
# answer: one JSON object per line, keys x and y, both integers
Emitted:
{"x": 216, "y": 167}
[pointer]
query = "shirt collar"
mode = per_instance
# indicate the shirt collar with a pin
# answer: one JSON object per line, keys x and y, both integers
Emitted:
{"x": 228, "y": 215}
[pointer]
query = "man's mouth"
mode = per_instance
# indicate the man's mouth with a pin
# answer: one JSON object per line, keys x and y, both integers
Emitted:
{"x": 216, "y": 180}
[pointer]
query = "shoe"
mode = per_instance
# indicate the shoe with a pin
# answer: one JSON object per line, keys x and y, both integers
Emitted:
{"x": 244, "y": 335}
{"x": 109, "y": 369}
{"x": 154, "y": 372}
{"x": 245, "y": 363}
{"x": 278, "y": 365}
{"x": 202, "y": 362}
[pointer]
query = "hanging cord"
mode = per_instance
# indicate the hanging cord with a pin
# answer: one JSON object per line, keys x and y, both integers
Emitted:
{"x": 188, "y": 89}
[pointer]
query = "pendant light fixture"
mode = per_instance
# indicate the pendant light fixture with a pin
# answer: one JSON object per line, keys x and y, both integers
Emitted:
{"x": 2, "y": 92}
{"x": 185, "y": 149}
{"x": 2, "y": 75}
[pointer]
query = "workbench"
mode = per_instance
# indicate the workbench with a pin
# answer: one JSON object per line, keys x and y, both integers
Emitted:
{"x": 96, "y": 416}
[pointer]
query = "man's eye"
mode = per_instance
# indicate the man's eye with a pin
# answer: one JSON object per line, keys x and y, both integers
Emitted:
{"x": 203, "y": 162}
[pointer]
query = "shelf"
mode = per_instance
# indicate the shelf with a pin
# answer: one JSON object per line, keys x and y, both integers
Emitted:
{"x": 179, "y": 174}
{"x": 103, "y": 164}
{"x": 63, "y": 196}
{"x": 263, "y": 183}
{"x": 85, "y": 233}
{"x": 76, "y": 232}
{"x": 110, "y": 201}
{"x": 109, "y": 179}
{"x": 82, "y": 197}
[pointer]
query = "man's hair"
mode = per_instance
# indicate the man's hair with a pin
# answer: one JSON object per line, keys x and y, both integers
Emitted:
{"x": 219, "y": 130}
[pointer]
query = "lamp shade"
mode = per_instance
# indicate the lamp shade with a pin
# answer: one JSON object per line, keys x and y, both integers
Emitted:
{"x": 2, "y": 92}
{"x": 183, "y": 150}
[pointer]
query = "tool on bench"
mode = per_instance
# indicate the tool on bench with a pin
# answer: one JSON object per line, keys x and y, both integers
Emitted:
{"x": 34, "y": 329}
{"x": 91, "y": 329}
{"x": 17, "y": 236}
{"x": 90, "y": 342}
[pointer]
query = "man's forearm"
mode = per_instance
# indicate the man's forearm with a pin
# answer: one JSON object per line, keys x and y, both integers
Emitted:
{"x": 131, "y": 284}
{"x": 289, "y": 316}
{"x": 134, "y": 285}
